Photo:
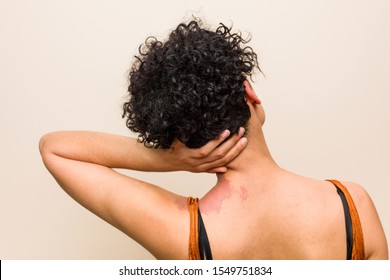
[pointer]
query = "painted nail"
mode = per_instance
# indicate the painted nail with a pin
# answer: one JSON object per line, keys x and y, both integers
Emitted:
{"x": 226, "y": 133}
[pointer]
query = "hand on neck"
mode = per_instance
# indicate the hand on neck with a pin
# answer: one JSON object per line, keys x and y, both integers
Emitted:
{"x": 255, "y": 158}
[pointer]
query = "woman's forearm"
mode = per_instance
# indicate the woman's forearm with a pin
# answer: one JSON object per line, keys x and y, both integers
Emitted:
{"x": 104, "y": 149}
{"x": 116, "y": 151}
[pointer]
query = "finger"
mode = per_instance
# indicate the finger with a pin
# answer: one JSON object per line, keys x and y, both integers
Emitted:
{"x": 235, "y": 151}
{"x": 220, "y": 169}
{"x": 225, "y": 147}
{"x": 212, "y": 144}
{"x": 228, "y": 157}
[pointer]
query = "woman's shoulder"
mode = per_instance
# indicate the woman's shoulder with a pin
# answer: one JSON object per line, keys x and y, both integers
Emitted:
{"x": 357, "y": 191}
{"x": 374, "y": 236}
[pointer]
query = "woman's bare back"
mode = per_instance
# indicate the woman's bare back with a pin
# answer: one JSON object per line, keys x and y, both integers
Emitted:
{"x": 291, "y": 217}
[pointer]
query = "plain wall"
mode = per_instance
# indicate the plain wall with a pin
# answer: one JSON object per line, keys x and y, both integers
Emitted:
{"x": 63, "y": 66}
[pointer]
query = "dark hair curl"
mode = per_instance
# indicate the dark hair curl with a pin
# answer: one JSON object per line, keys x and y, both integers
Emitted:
{"x": 189, "y": 87}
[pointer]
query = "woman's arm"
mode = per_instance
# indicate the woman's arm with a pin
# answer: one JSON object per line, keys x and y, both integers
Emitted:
{"x": 375, "y": 242}
{"x": 116, "y": 151}
{"x": 83, "y": 162}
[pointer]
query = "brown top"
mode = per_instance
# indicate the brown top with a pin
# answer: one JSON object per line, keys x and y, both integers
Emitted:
{"x": 193, "y": 249}
{"x": 357, "y": 232}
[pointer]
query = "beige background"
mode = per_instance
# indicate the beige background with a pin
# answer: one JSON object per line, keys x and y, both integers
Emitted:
{"x": 63, "y": 65}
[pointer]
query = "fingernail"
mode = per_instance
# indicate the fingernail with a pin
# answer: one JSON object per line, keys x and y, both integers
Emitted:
{"x": 226, "y": 133}
{"x": 241, "y": 131}
{"x": 243, "y": 141}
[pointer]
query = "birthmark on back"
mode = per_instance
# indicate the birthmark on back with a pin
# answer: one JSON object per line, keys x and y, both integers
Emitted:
{"x": 213, "y": 200}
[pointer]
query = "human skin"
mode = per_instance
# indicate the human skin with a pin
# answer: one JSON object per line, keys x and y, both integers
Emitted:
{"x": 279, "y": 214}
{"x": 83, "y": 164}
{"x": 257, "y": 210}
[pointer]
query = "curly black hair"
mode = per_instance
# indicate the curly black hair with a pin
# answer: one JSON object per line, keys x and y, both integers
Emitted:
{"x": 189, "y": 87}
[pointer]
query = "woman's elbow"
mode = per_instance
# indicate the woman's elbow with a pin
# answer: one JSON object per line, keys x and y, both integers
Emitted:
{"x": 43, "y": 147}
{"x": 46, "y": 145}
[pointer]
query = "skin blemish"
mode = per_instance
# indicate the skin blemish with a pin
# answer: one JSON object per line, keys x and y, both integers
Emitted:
{"x": 181, "y": 203}
{"x": 243, "y": 193}
{"x": 213, "y": 200}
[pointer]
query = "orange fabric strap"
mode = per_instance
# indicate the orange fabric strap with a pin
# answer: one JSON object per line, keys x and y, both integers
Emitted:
{"x": 358, "y": 240}
{"x": 193, "y": 249}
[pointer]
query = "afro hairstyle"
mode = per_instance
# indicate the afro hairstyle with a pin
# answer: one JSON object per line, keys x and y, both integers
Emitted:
{"x": 189, "y": 87}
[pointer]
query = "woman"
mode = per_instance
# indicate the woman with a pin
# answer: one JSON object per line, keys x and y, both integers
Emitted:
{"x": 191, "y": 104}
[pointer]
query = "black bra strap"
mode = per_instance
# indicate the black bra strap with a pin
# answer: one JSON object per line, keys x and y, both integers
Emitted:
{"x": 348, "y": 223}
{"x": 204, "y": 244}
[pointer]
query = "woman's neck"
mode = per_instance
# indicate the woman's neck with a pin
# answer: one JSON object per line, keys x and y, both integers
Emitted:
{"x": 253, "y": 168}
{"x": 255, "y": 158}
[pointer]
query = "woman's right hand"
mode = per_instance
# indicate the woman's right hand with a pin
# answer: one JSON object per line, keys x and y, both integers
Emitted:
{"x": 212, "y": 157}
